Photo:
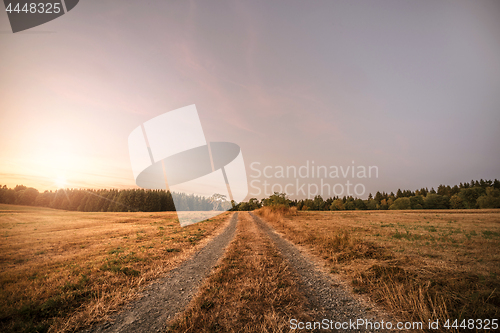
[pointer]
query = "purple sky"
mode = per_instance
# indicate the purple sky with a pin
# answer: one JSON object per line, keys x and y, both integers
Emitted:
{"x": 412, "y": 87}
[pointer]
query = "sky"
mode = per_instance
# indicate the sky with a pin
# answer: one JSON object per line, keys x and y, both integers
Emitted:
{"x": 410, "y": 87}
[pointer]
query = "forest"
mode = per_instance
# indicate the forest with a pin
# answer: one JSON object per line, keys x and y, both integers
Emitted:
{"x": 476, "y": 194}
{"x": 103, "y": 200}
{"x": 469, "y": 195}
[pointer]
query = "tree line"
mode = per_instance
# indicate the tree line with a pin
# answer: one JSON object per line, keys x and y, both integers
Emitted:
{"x": 476, "y": 194}
{"x": 130, "y": 200}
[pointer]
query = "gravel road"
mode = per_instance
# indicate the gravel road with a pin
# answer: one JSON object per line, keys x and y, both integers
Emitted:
{"x": 171, "y": 294}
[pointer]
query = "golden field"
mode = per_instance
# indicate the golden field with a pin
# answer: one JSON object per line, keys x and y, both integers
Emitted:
{"x": 63, "y": 270}
{"x": 420, "y": 265}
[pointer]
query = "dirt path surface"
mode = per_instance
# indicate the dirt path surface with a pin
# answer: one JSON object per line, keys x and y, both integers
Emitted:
{"x": 252, "y": 290}
{"x": 330, "y": 298}
{"x": 171, "y": 294}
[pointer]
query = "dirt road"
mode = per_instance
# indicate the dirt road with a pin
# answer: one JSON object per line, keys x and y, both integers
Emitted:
{"x": 327, "y": 298}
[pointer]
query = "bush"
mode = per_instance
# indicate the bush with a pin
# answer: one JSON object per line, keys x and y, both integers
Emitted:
{"x": 470, "y": 195}
{"x": 371, "y": 204}
{"x": 417, "y": 202}
{"x": 401, "y": 203}
{"x": 279, "y": 199}
{"x": 456, "y": 202}
{"x": 488, "y": 201}
{"x": 359, "y": 204}
{"x": 337, "y": 205}
{"x": 349, "y": 205}
{"x": 436, "y": 201}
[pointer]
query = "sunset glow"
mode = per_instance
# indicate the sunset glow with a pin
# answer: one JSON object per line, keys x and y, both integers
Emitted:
{"x": 60, "y": 182}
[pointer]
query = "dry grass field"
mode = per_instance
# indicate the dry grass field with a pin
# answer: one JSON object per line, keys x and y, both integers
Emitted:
{"x": 63, "y": 270}
{"x": 252, "y": 290}
{"x": 421, "y": 265}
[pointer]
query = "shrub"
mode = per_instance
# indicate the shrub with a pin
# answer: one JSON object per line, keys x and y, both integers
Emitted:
{"x": 337, "y": 205}
{"x": 488, "y": 201}
{"x": 401, "y": 203}
{"x": 436, "y": 201}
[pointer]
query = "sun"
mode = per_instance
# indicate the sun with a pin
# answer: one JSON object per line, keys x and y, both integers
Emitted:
{"x": 60, "y": 182}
